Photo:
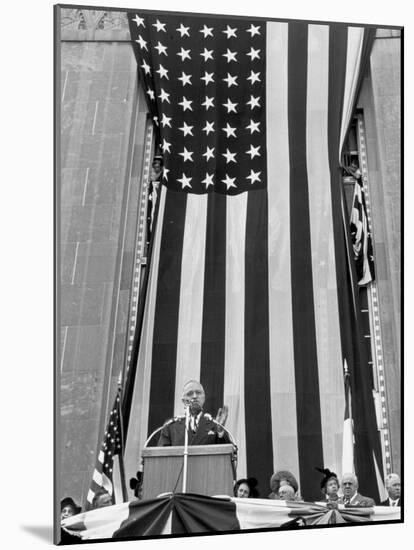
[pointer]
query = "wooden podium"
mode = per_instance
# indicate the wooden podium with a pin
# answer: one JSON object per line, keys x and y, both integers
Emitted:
{"x": 209, "y": 470}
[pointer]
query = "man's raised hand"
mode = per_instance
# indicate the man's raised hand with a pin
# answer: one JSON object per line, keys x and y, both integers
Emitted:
{"x": 222, "y": 415}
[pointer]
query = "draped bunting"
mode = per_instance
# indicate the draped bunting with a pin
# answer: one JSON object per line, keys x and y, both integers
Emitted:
{"x": 188, "y": 513}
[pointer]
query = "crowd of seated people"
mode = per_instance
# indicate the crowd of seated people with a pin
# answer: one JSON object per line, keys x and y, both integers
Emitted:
{"x": 334, "y": 491}
{"x": 284, "y": 486}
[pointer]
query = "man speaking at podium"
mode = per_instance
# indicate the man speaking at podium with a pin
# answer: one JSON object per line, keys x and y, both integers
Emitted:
{"x": 203, "y": 429}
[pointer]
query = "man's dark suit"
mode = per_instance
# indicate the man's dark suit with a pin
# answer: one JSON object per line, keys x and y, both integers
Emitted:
{"x": 360, "y": 500}
{"x": 388, "y": 503}
{"x": 206, "y": 433}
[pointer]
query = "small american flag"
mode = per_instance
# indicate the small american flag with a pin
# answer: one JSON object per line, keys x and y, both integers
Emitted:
{"x": 205, "y": 84}
{"x": 110, "y": 447}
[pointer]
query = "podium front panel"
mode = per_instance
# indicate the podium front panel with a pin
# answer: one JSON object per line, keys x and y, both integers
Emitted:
{"x": 209, "y": 470}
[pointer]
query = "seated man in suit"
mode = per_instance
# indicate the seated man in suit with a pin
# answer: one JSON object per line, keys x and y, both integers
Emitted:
{"x": 203, "y": 429}
{"x": 349, "y": 486}
{"x": 286, "y": 492}
{"x": 393, "y": 487}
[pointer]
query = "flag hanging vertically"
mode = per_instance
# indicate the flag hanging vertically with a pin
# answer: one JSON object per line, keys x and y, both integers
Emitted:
{"x": 249, "y": 278}
{"x": 111, "y": 448}
{"x": 348, "y": 435}
{"x": 361, "y": 236}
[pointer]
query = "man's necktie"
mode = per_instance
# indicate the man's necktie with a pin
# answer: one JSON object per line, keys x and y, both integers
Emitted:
{"x": 193, "y": 423}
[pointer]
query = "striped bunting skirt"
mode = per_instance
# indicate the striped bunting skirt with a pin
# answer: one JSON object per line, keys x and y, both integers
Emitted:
{"x": 188, "y": 513}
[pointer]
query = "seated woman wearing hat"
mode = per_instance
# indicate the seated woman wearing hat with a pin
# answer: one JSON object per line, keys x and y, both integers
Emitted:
{"x": 246, "y": 488}
{"x": 280, "y": 478}
{"x": 68, "y": 508}
{"x": 330, "y": 486}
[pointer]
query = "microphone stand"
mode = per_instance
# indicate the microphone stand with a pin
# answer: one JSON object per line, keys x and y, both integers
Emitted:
{"x": 185, "y": 458}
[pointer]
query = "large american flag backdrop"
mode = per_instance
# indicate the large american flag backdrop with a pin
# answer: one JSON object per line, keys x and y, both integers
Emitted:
{"x": 251, "y": 286}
